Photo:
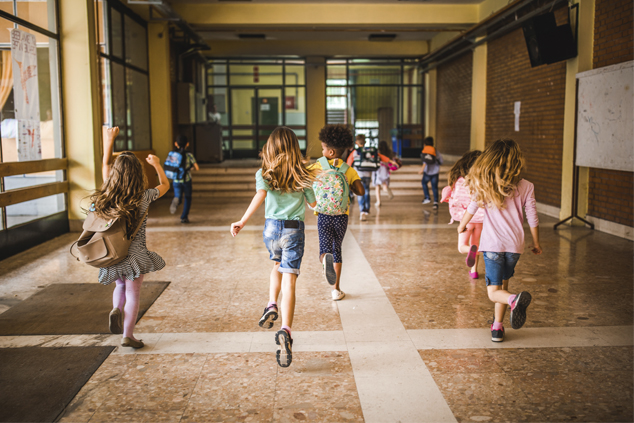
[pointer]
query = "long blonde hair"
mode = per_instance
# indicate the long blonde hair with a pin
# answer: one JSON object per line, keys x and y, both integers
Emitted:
{"x": 120, "y": 196}
{"x": 283, "y": 165}
{"x": 495, "y": 174}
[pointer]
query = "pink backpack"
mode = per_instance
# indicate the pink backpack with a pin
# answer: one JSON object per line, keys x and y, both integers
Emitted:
{"x": 459, "y": 199}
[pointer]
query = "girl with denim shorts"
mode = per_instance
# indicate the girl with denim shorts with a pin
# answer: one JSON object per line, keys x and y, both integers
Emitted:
{"x": 495, "y": 184}
{"x": 283, "y": 184}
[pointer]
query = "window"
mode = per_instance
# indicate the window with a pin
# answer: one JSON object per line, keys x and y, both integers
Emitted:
{"x": 123, "y": 62}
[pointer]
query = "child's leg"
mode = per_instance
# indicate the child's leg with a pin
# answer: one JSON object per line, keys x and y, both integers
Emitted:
{"x": 118, "y": 295}
{"x": 500, "y": 309}
{"x": 340, "y": 228}
{"x": 132, "y": 297}
{"x": 475, "y": 240}
{"x": 377, "y": 189}
{"x": 425, "y": 188}
{"x": 434, "y": 187}
{"x": 288, "y": 299}
{"x": 276, "y": 283}
{"x": 464, "y": 240}
{"x": 187, "y": 193}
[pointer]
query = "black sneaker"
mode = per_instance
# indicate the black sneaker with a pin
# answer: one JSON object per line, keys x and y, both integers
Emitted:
{"x": 284, "y": 354}
{"x": 186, "y": 220}
{"x": 268, "y": 317}
{"x": 497, "y": 335}
{"x": 518, "y": 309}
{"x": 329, "y": 269}
{"x": 435, "y": 205}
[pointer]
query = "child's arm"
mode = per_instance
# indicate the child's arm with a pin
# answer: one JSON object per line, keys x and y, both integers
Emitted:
{"x": 464, "y": 222}
{"x": 357, "y": 187}
{"x": 422, "y": 169}
{"x": 537, "y": 249}
{"x": 196, "y": 167}
{"x": 164, "y": 183}
{"x": 194, "y": 162}
{"x": 109, "y": 135}
{"x": 257, "y": 201}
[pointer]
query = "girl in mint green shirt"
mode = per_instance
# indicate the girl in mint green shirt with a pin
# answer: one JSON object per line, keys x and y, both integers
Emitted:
{"x": 283, "y": 184}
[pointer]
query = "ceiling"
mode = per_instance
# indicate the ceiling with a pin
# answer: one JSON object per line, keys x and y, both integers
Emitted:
{"x": 330, "y": 1}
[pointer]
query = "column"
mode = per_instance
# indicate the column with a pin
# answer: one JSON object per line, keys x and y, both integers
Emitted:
{"x": 315, "y": 103}
{"x": 160, "y": 88}
{"x": 479, "y": 98}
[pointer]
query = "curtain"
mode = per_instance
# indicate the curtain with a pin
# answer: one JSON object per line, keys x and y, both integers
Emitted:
{"x": 6, "y": 77}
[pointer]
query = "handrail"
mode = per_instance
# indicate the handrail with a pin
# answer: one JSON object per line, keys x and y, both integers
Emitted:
{"x": 34, "y": 166}
{"x": 21, "y": 195}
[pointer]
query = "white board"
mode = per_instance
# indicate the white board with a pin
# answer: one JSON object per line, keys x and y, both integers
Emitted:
{"x": 605, "y": 116}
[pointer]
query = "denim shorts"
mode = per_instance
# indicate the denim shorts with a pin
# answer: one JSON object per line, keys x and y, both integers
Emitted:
{"x": 285, "y": 244}
{"x": 499, "y": 266}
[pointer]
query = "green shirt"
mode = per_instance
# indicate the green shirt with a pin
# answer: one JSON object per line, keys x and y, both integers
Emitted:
{"x": 283, "y": 206}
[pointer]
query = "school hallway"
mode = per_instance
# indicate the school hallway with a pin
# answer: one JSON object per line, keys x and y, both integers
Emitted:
{"x": 410, "y": 342}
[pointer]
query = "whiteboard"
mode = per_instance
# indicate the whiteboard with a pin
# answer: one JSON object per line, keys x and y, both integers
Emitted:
{"x": 605, "y": 133}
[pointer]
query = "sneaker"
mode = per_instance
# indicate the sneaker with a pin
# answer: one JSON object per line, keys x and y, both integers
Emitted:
{"x": 471, "y": 255}
{"x": 377, "y": 204}
{"x": 390, "y": 194}
{"x": 337, "y": 294}
{"x": 129, "y": 342}
{"x": 284, "y": 353}
{"x": 268, "y": 317}
{"x": 426, "y": 201}
{"x": 518, "y": 309}
{"x": 497, "y": 335}
{"x": 186, "y": 220}
{"x": 474, "y": 275}
{"x": 363, "y": 217}
{"x": 174, "y": 205}
{"x": 435, "y": 205}
{"x": 115, "y": 321}
{"x": 329, "y": 269}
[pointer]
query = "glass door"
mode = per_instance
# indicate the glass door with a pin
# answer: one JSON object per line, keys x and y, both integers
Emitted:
{"x": 243, "y": 123}
{"x": 269, "y": 113}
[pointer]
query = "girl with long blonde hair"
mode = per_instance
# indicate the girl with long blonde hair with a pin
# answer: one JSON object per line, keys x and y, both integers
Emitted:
{"x": 123, "y": 196}
{"x": 496, "y": 186}
{"x": 283, "y": 184}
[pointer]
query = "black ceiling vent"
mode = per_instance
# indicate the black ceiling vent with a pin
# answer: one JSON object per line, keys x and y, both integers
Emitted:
{"x": 234, "y": 0}
{"x": 252, "y": 36}
{"x": 381, "y": 37}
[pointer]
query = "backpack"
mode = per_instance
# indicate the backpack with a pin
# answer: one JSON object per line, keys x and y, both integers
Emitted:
{"x": 174, "y": 165}
{"x": 428, "y": 155}
{"x": 103, "y": 243}
{"x": 366, "y": 159}
{"x": 331, "y": 189}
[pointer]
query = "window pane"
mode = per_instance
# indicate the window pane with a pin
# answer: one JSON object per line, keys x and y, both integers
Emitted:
{"x": 374, "y": 75}
{"x": 256, "y": 75}
{"x": 411, "y": 75}
{"x": 118, "y": 105}
{"x": 100, "y": 26}
{"x": 218, "y": 107}
{"x": 106, "y": 100}
{"x": 217, "y": 74}
{"x": 295, "y": 106}
{"x": 138, "y": 111}
{"x": 38, "y": 12}
{"x": 117, "y": 36}
{"x": 135, "y": 44}
{"x": 295, "y": 75}
{"x": 47, "y": 98}
{"x": 20, "y": 213}
{"x": 336, "y": 75}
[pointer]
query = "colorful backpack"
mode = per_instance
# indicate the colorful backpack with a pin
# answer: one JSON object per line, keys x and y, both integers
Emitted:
{"x": 366, "y": 159}
{"x": 331, "y": 189}
{"x": 174, "y": 165}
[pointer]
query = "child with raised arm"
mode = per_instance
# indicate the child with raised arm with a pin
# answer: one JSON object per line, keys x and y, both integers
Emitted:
{"x": 495, "y": 184}
{"x": 123, "y": 196}
{"x": 283, "y": 184}
{"x": 335, "y": 141}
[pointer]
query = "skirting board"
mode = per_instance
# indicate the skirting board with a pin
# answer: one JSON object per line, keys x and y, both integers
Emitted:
{"x": 612, "y": 228}
{"x": 551, "y": 211}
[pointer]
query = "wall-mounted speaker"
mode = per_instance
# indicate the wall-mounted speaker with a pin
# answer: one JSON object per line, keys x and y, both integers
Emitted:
{"x": 548, "y": 43}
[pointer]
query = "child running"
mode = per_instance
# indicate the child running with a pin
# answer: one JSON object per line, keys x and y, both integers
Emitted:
{"x": 335, "y": 141}
{"x": 457, "y": 195}
{"x": 123, "y": 196}
{"x": 283, "y": 184}
{"x": 495, "y": 183}
{"x": 381, "y": 176}
{"x": 183, "y": 186}
{"x": 432, "y": 159}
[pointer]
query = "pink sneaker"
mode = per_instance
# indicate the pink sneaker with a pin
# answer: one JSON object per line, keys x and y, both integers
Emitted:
{"x": 473, "y": 275}
{"x": 471, "y": 255}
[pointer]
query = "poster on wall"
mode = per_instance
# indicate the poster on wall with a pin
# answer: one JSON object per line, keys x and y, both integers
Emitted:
{"x": 26, "y": 94}
{"x": 29, "y": 141}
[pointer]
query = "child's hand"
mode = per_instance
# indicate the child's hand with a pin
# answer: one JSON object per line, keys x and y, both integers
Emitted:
{"x": 236, "y": 227}
{"x": 537, "y": 250}
{"x": 420, "y": 172}
{"x": 461, "y": 228}
{"x": 153, "y": 160}
{"x": 110, "y": 133}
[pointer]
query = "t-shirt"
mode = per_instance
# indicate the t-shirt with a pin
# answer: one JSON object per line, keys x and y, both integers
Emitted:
{"x": 283, "y": 206}
{"x": 189, "y": 163}
{"x": 502, "y": 231}
{"x": 434, "y": 169}
{"x": 351, "y": 174}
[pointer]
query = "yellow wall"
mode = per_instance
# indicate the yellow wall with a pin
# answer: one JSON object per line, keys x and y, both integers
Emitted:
{"x": 82, "y": 120}
{"x": 160, "y": 88}
{"x": 479, "y": 97}
{"x": 316, "y": 103}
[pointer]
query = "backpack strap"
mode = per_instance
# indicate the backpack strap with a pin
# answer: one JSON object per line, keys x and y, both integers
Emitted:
{"x": 325, "y": 165}
{"x": 140, "y": 222}
{"x": 344, "y": 168}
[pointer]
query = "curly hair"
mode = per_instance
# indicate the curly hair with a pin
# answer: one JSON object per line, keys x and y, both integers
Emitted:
{"x": 338, "y": 137}
{"x": 283, "y": 165}
{"x": 495, "y": 174}
{"x": 462, "y": 166}
{"x": 120, "y": 195}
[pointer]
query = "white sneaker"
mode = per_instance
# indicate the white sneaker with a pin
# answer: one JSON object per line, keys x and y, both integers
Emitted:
{"x": 337, "y": 294}
{"x": 377, "y": 204}
{"x": 426, "y": 201}
{"x": 363, "y": 216}
{"x": 174, "y": 205}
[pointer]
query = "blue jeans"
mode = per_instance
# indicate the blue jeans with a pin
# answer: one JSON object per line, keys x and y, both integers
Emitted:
{"x": 499, "y": 266}
{"x": 434, "y": 186}
{"x": 364, "y": 200}
{"x": 184, "y": 189}
{"x": 285, "y": 244}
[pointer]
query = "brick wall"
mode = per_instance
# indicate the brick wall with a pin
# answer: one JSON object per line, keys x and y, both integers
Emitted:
{"x": 453, "y": 124}
{"x": 510, "y": 78}
{"x": 610, "y": 191}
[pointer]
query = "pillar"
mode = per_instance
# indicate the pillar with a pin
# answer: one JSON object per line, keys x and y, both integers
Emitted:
{"x": 160, "y": 88}
{"x": 479, "y": 97}
{"x": 315, "y": 103}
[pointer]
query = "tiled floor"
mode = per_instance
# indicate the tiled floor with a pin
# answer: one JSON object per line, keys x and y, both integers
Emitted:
{"x": 409, "y": 343}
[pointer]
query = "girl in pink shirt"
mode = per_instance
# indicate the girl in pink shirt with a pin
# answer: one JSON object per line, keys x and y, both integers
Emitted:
{"x": 495, "y": 184}
{"x": 458, "y": 197}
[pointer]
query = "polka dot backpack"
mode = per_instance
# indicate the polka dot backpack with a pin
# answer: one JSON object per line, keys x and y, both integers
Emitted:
{"x": 331, "y": 189}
